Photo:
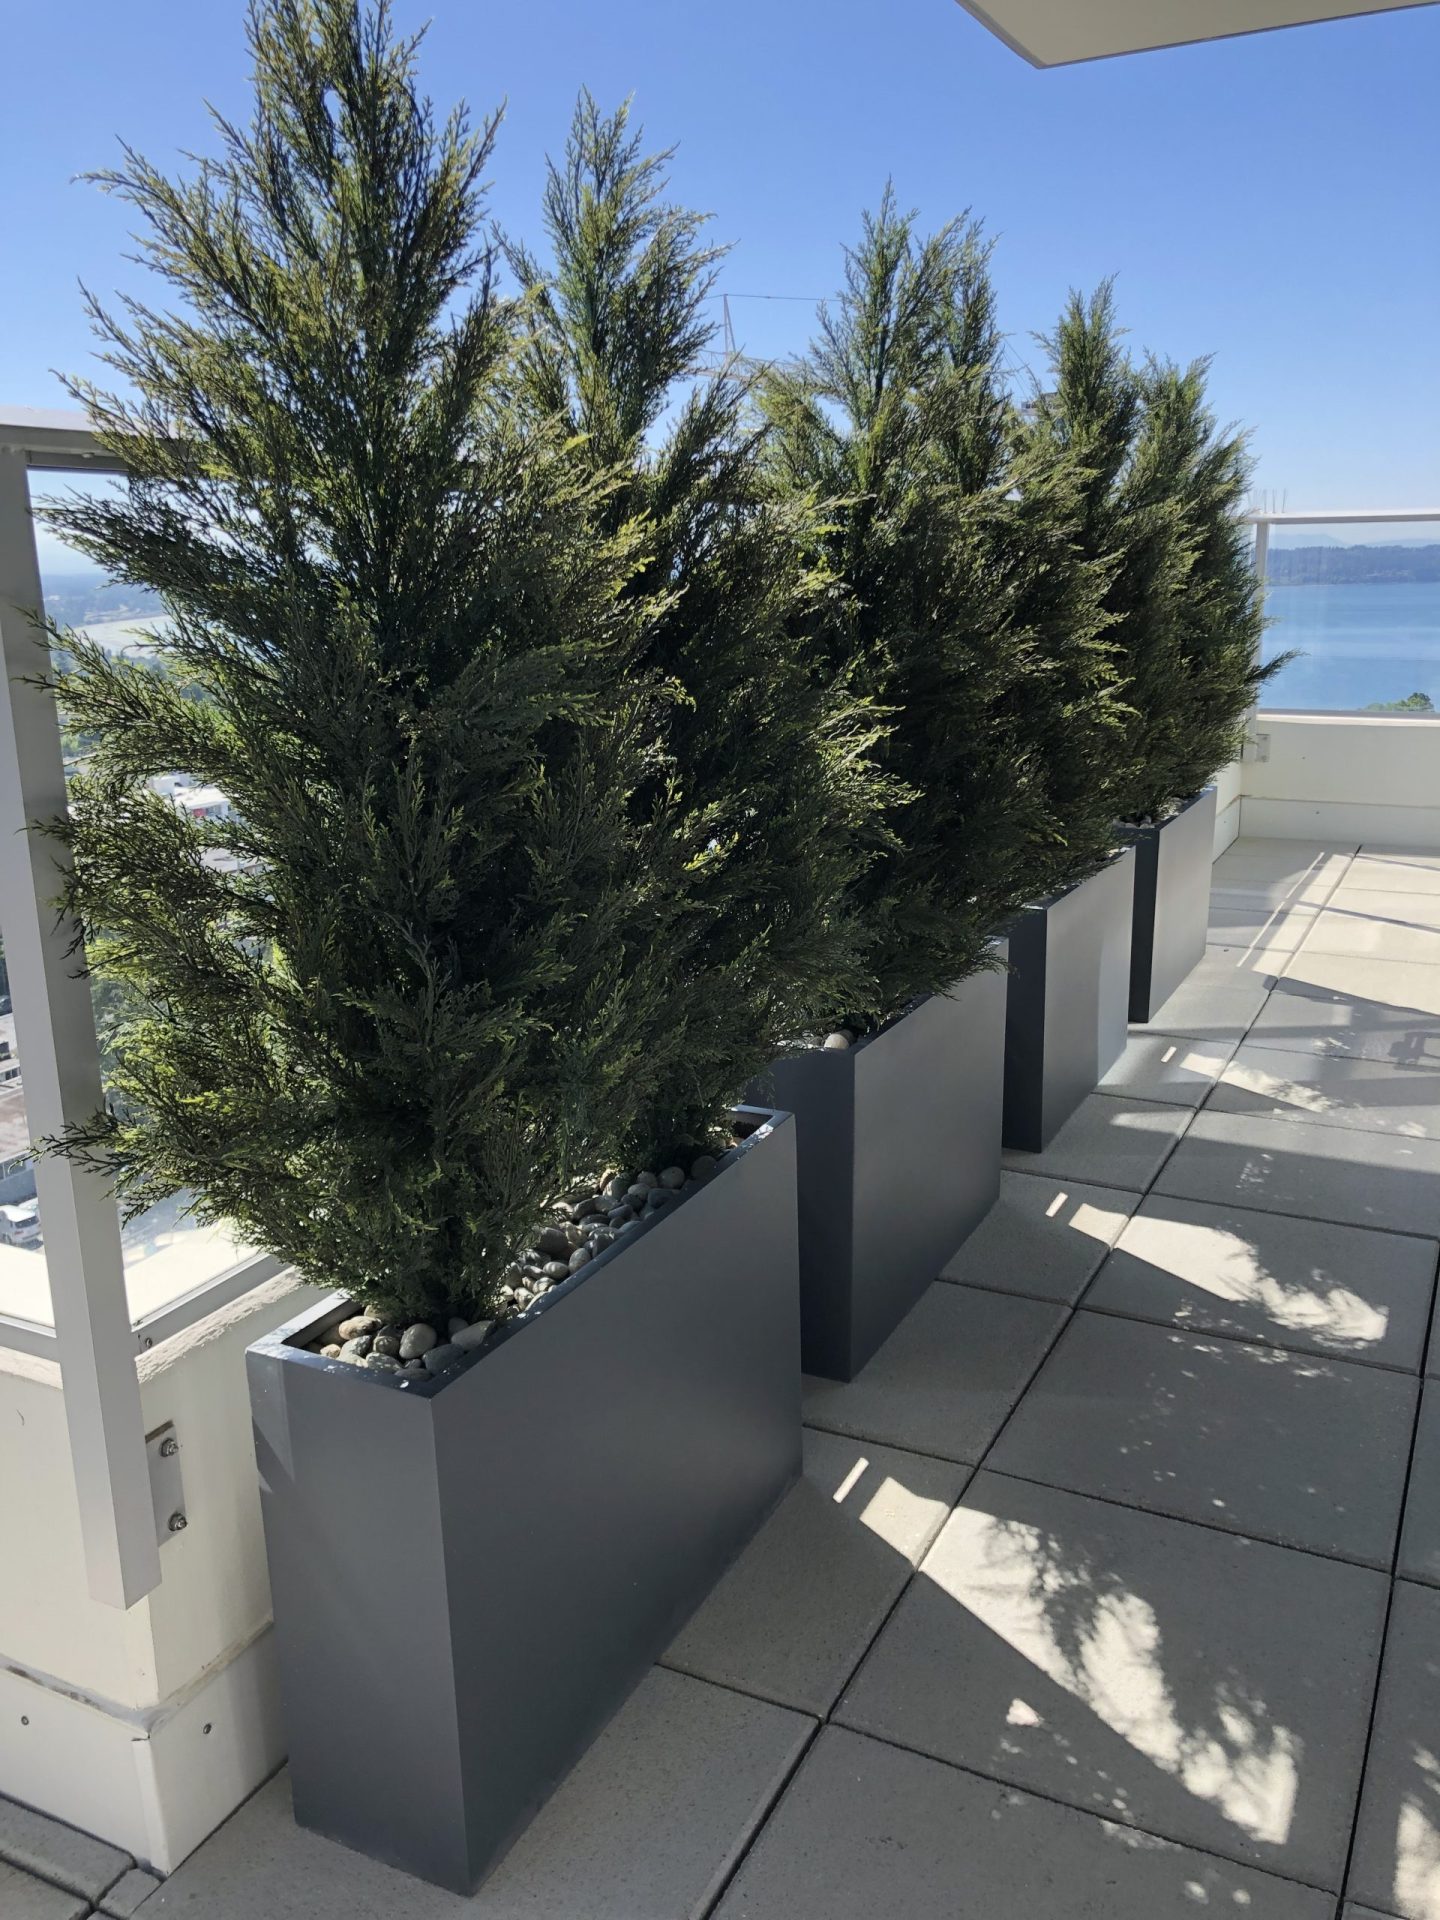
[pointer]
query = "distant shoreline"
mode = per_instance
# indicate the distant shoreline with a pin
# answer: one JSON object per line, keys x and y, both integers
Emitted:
{"x": 1358, "y": 566}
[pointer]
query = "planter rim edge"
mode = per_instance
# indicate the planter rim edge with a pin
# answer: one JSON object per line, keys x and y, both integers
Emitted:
{"x": 1177, "y": 808}
{"x": 995, "y": 942}
{"x": 281, "y": 1343}
{"x": 1043, "y": 901}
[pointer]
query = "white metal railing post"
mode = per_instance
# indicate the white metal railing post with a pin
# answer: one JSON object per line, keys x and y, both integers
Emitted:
{"x": 1262, "y": 570}
{"x": 1262, "y": 550}
{"x": 60, "y": 1057}
{"x": 1249, "y": 738}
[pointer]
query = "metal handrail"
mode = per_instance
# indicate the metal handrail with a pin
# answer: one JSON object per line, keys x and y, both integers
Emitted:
{"x": 55, "y": 439}
{"x": 1347, "y": 517}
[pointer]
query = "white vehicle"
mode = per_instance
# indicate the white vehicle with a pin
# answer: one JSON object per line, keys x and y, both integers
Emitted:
{"x": 20, "y": 1223}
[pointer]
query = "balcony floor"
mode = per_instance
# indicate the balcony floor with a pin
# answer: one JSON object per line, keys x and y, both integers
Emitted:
{"x": 1112, "y": 1591}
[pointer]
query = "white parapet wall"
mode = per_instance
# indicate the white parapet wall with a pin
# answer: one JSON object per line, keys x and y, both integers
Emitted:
{"x": 1344, "y": 777}
{"x": 147, "y": 1726}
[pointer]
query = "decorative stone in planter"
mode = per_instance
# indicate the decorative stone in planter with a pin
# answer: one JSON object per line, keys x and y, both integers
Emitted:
{"x": 898, "y": 1159}
{"x": 472, "y": 1571}
{"x": 1172, "y": 902}
{"x": 1068, "y": 1002}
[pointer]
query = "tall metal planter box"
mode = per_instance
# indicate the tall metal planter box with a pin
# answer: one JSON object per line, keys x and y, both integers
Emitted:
{"x": 898, "y": 1158}
{"x": 1172, "y": 903}
{"x": 1066, "y": 1013}
{"x": 470, "y": 1574}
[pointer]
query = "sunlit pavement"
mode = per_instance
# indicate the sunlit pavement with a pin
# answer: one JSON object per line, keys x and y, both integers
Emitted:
{"x": 1112, "y": 1591}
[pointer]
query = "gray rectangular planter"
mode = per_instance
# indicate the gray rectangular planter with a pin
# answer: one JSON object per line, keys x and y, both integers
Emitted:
{"x": 1172, "y": 902}
{"x": 470, "y": 1574}
{"x": 898, "y": 1159}
{"x": 1066, "y": 1011}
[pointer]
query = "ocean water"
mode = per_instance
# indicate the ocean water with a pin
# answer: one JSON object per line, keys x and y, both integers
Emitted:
{"x": 1359, "y": 644}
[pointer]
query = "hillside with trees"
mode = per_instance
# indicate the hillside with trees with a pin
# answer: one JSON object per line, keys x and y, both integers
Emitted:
{"x": 74, "y": 599}
{"x": 1337, "y": 566}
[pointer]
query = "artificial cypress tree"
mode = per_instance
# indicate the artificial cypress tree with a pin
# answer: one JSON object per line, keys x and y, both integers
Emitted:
{"x": 766, "y": 790}
{"x": 1219, "y": 616}
{"x": 396, "y": 1003}
{"x": 967, "y": 612}
{"x": 1162, "y": 490}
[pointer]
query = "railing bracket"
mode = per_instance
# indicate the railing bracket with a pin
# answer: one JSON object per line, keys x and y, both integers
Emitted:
{"x": 167, "y": 1486}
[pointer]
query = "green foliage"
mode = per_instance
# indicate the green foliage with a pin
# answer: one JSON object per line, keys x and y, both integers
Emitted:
{"x": 1219, "y": 616}
{"x": 1163, "y": 490}
{"x": 770, "y": 788}
{"x": 1412, "y": 703}
{"x": 967, "y": 614}
{"x": 397, "y": 1002}
{"x": 596, "y": 724}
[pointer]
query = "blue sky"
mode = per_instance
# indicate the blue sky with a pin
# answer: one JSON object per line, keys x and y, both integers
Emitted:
{"x": 1271, "y": 201}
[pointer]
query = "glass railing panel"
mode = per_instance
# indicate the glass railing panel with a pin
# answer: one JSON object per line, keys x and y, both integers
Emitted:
{"x": 168, "y": 1253}
{"x": 1360, "y": 607}
{"x": 24, "y": 1276}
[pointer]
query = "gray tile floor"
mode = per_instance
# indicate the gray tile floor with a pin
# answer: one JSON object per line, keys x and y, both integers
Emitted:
{"x": 1112, "y": 1591}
